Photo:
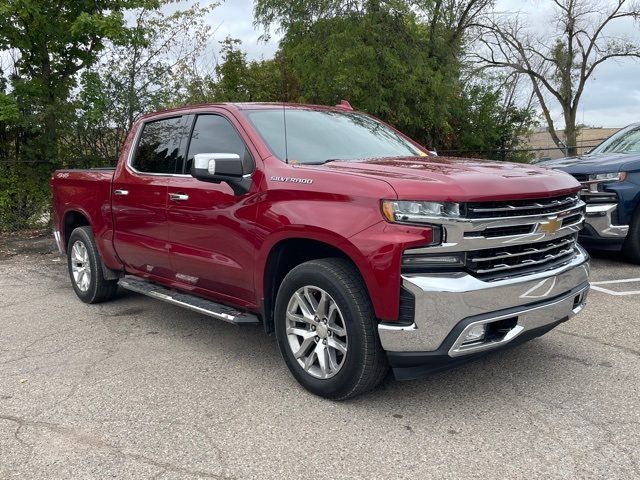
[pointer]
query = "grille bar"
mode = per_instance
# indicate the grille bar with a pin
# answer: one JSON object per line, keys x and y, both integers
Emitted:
{"x": 581, "y": 177}
{"x": 520, "y": 208}
{"x": 514, "y": 208}
{"x": 526, "y": 251}
{"x": 518, "y": 259}
{"x": 527, "y": 263}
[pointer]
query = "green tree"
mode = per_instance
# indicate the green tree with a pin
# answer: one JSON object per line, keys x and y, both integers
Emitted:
{"x": 233, "y": 79}
{"x": 135, "y": 78}
{"x": 54, "y": 42}
{"x": 377, "y": 54}
{"x": 403, "y": 61}
{"x": 232, "y": 73}
{"x": 47, "y": 44}
{"x": 493, "y": 125}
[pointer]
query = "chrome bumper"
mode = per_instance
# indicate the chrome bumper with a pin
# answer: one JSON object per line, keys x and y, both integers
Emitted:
{"x": 443, "y": 301}
{"x": 599, "y": 216}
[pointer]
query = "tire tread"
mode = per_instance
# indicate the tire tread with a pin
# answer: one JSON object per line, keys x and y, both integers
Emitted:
{"x": 101, "y": 290}
{"x": 375, "y": 366}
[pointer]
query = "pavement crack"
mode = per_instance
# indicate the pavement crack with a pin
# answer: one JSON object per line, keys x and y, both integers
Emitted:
{"x": 86, "y": 374}
{"x": 601, "y": 342}
{"x": 25, "y": 351}
{"x": 170, "y": 467}
{"x": 93, "y": 442}
{"x": 608, "y": 434}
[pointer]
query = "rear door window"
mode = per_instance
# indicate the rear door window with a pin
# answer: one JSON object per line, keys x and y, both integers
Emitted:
{"x": 215, "y": 134}
{"x": 158, "y": 150}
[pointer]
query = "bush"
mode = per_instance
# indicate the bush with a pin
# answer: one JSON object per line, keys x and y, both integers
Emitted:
{"x": 25, "y": 198}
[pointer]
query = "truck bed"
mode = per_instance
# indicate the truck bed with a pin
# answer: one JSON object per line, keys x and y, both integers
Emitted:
{"x": 87, "y": 191}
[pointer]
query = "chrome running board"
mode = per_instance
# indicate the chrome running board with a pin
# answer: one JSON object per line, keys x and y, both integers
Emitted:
{"x": 190, "y": 302}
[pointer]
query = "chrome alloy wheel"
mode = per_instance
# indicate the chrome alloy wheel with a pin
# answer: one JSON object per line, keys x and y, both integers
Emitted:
{"x": 316, "y": 332}
{"x": 80, "y": 266}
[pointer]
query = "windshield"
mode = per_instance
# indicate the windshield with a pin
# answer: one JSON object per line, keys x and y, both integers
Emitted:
{"x": 318, "y": 136}
{"x": 626, "y": 140}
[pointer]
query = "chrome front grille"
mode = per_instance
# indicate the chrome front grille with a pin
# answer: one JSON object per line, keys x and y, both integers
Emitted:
{"x": 520, "y": 207}
{"x": 497, "y": 240}
{"x": 497, "y": 263}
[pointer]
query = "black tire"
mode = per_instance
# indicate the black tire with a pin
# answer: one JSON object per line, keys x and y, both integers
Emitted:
{"x": 98, "y": 289}
{"x": 365, "y": 363}
{"x": 631, "y": 246}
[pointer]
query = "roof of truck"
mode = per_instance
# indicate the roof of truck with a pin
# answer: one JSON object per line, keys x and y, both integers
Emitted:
{"x": 343, "y": 106}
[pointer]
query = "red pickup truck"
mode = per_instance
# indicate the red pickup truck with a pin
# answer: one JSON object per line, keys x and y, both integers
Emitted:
{"x": 357, "y": 246}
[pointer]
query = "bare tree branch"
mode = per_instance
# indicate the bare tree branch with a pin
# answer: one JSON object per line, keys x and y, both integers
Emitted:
{"x": 559, "y": 64}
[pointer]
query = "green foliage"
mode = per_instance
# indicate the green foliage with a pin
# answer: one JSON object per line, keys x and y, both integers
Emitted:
{"x": 379, "y": 61}
{"x": 490, "y": 129}
{"x": 24, "y": 203}
{"x": 82, "y": 75}
{"x": 234, "y": 79}
{"x": 50, "y": 43}
{"x": 9, "y": 112}
{"x": 53, "y": 44}
{"x": 133, "y": 79}
{"x": 400, "y": 66}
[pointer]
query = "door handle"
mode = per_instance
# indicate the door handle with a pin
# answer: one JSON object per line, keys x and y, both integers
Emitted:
{"x": 178, "y": 196}
{"x": 121, "y": 193}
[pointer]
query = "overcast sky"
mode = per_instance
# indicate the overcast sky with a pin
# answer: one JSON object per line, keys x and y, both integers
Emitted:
{"x": 611, "y": 99}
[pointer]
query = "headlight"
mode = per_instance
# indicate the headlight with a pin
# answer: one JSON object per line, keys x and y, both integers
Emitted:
{"x": 596, "y": 180}
{"x": 405, "y": 211}
{"x": 608, "y": 177}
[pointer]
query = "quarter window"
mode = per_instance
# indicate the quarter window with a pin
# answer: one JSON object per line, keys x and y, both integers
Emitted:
{"x": 215, "y": 134}
{"x": 159, "y": 146}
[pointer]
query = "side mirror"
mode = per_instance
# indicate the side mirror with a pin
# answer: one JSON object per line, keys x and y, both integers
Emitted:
{"x": 217, "y": 167}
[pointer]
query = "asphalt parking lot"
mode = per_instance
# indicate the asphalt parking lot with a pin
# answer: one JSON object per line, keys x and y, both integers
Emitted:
{"x": 136, "y": 388}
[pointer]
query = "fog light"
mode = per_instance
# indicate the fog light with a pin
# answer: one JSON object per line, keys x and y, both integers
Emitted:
{"x": 476, "y": 334}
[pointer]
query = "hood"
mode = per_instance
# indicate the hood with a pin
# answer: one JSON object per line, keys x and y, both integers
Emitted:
{"x": 460, "y": 180}
{"x": 595, "y": 163}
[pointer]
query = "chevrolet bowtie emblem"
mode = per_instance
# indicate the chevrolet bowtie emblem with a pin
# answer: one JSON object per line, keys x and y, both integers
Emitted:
{"x": 550, "y": 226}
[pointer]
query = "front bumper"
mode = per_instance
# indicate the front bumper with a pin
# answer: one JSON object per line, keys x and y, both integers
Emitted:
{"x": 448, "y": 304}
{"x": 600, "y": 219}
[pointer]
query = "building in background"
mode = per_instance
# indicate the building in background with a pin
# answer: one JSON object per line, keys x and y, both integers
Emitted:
{"x": 544, "y": 148}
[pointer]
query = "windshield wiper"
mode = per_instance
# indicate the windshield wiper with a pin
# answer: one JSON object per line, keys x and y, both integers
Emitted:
{"x": 329, "y": 160}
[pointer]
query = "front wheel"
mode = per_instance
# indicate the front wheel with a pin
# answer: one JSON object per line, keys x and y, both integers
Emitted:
{"x": 85, "y": 268}
{"x": 326, "y": 329}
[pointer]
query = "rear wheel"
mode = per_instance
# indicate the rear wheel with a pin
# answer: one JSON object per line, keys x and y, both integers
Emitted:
{"x": 85, "y": 268}
{"x": 326, "y": 329}
{"x": 631, "y": 246}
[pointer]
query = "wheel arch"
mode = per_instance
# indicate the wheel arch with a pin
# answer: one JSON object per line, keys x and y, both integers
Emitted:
{"x": 285, "y": 253}
{"x": 72, "y": 219}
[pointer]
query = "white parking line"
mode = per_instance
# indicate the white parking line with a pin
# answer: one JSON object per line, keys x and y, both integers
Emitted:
{"x": 595, "y": 286}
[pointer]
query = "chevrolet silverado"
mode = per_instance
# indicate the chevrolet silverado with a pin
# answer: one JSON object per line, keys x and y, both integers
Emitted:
{"x": 359, "y": 248}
